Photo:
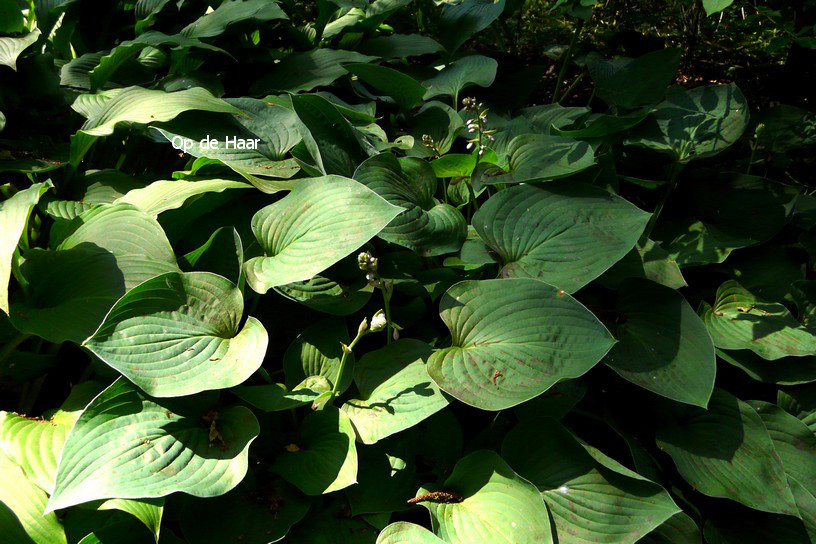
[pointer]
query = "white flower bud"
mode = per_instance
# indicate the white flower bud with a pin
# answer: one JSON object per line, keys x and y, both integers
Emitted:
{"x": 363, "y": 326}
{"x": 378, "y": 322}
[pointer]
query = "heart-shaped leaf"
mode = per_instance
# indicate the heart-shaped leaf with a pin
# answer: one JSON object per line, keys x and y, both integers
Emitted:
{"x": 513, "y": 339}
{"x": 396, "y": 391}
{"x": 726, "y": 451}
{"x": 426, "y": 226}
{"x": 405, "y": 90}
{"x": 590, "y": 501}
{"x": 539, "y": 157}
{"x": 566, "y": 234}
{"x": 324, "y": 459}
{"x": 321, "y": 221}
{"x": 472, "y": 70}
{"x": 99, "y": 256}
{"x": 741, "y": 320}
{"x": 663, "y": 346}
{"x": 125, "y": 445}
{"x": 483, "y": 500}
{"x": 178, "y": 334}
{"x": 695, "y": 124}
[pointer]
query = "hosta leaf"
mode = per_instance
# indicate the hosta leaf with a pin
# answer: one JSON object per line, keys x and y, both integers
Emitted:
{"x": 126, "y": 445}
{"x": 678, "y": 529}
{"x": 426, "y": 226}
{"x": 740, "y": 320}
{"x": 472, "y": 70}
{"x": 325, "y": 458}
{"x": 398, "y": 46}
{"x": 395, "y": 389}
{"x": 10, "y": 48}
{"x": 330, "y": 139}
{"x": 512, "y": 340}
{"x": 222, "y": 254}
{"x": 799, "y": 402}
{"x": 34, "y": 445}
{"x": 539, "y": 157}
{"x": 785, "y": 371}
{"x": 21, "y": 510}
{"x": 321, "y": 221}
{"x": 178, "y": 334}
{"x": 653, "y": 72}
{"x": 726, "y": 451}
{"x": 695, "y": 124}
{"x": 304, "y": 71}
{"x": 164, "y": 195}
{"x": 663, "y": 346}
{"x": 109, "y": 63}
{"x": 138, "y": 105}
{"x": 589, "y": 501}
{"x": 251, "y": 514}
{"x": 271, "y": 122}
{"x": 566, "y": 234}
{"x": 716, "y": 6}
{"x": 405, "y": 90}
{"x": 317, "y": 352}
{"x": 340, "y": 296}
{"x": 232, "y": 12}
{"x": 100, "y": 255}
{"x": 483, "y": 500}
{"x": 407, "y": 533}
{"x": 458, "y": 22}
{"x": 14, "y": 214}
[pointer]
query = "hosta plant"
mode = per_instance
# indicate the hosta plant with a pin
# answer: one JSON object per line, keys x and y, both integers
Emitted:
{"x": 343, "y": 272}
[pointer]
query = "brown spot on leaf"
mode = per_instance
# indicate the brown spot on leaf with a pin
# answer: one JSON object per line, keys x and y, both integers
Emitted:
{"x": 437, "y": 496}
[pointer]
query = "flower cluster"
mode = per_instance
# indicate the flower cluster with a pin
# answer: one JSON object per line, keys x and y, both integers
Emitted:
{"x": 477, "y": 125}
{"x": 368, "y": 263}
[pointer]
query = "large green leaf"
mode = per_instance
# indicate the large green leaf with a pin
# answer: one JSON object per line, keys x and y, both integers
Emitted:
{"x": 21, "y": 510}
{"x": 540, "y": 157}
{"x": 483, "y": 500}
{"x": 178, "y": 334}
{"x": 458, "y": 22}
{"x": 652, "y": 72}
{"x": 716, "y": 6}
{"x": 646, "y": 260}
{"x": 399, "y": 46}
{"x": 321, "y": 221}
{"x": 512, "y": 340}
{"x": 426, "y": 226}
{"x": 164, "y": 195}
{"x": 740, "y": 320}
{"x": 330, "y": 138}
{"x": 99, "y": 256}
{"x": 136, "y": 105}
{"x": 695, "y": 124}
{"x": 125, "y": 445}
{"x": 231, "y": 12}
{"x": 324, "y": 459}
{"x": 403, "y": 532}
{"x": 271, "y": 124}
{"x": 726, "y": 451}
{"x": 472, "y": 70}
{"x": 590, "y": 501}
{"x": 564, "y": 233}
{"x": 663, "y": 346}
{"x": 10, "y": 48}
{"x": 396, "y": 392}
{"x": 304, "y": 71}
{"x": 405, "y": 90}
{"x": 14, "y": 214}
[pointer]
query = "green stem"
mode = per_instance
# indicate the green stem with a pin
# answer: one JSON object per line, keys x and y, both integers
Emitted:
{"x": 387, "y": 310}
{"x": 676, "y": 168}
{"x": 572, "y": 87}
{"x": 567, "y": 58}
{"x": 343, "y": 359}
{"x": 754, "y": 146}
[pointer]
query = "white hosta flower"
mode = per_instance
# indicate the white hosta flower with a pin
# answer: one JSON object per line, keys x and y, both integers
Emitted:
{"x": 378, "y": 322}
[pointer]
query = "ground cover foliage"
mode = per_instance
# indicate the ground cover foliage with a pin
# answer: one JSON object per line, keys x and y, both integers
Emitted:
{"x": 359, "y": 272}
